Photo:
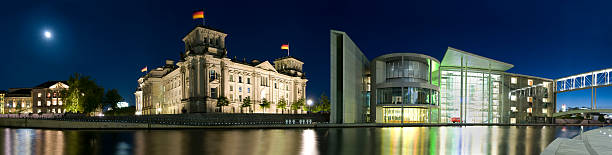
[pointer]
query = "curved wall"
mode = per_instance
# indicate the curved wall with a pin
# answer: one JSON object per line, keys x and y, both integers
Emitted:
{"x": 402, "y": 80}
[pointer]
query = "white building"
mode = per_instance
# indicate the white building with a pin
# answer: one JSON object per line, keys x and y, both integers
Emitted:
{"x": 205, "y": 74}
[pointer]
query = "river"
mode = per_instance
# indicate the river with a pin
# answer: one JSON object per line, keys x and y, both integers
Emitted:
{"x": 350, "y": 141}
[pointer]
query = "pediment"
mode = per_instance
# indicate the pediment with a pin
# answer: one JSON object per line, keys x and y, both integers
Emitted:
{"x": 266, "y": 66}
{"x": 59, "y": 85}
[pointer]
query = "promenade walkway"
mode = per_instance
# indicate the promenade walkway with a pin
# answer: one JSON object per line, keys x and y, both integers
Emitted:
{"x": 593, "y": 142}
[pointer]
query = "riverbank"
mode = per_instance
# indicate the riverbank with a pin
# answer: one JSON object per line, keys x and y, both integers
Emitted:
{"x": 590, "y": 142}
{"x": 57, "y": 124}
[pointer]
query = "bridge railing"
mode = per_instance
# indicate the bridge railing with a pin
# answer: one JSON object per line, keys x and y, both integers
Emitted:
{"x": 587, "y": 80}
{"x": 582, "y": 111}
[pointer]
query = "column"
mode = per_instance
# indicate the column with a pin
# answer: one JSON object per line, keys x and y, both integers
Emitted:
{"x": 461, "y": 96}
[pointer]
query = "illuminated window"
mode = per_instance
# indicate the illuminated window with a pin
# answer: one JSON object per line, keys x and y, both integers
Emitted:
{"x": 513, "y": 97}
{"x": 59, "y": 110}
{"x": 38, "y": 111}
{"x": 54, "y": 102}
{"x": 39, "y": 94}
{"x": 48, "y": 103}
{"x": 545, "y": 100}
{"x": 530, "y": 82}
{"x": 529, "y": 110}
{"x": 60, "y": 102}
{"x": 513, "y": 109}
{"x": 512, "y": 120}
{"x": 513, "y": 80}
{"x": 48, "y": 94}
{"x": 53, "y": 110}
{"x": 530, "y": 99}
{"x": 544, "y": 110}
{"x": 39, "y": 103}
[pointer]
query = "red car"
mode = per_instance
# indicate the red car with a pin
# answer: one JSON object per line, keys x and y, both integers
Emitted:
{"x": 456, "y": 120}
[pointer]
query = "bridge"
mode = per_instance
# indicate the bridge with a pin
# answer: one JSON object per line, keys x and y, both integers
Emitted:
{"x": 590, "y": 80}
{"x": 579, "y": 111}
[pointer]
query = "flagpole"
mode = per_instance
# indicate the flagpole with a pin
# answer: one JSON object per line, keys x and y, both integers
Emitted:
{"x": 288, "y": 47}
{"x": 203, "y": 18}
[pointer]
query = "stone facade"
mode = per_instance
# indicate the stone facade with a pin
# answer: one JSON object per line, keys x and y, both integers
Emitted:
{"x": 44, "y": 98}
{"x": 205, "y": 73}
{"x": 18, "y": 100}
{"x": 47, "y": 98}
{"x": 2, "y": 104}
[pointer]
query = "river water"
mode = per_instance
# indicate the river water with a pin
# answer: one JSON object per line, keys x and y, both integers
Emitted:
{"x": 350, "y": 141}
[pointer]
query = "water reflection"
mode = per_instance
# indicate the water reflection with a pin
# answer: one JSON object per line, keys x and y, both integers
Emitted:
{"x": 407, "y": 140}
{"x": 444, "y": 140}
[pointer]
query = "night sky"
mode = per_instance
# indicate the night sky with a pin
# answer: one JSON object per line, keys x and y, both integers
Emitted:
{"x": 112, "y": 40}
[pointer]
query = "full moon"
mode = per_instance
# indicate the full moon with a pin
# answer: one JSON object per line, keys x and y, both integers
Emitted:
{"x": 48, "y": 35}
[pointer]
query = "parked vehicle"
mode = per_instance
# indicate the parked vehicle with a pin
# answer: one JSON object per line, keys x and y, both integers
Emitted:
{"x": 456, "y": 120}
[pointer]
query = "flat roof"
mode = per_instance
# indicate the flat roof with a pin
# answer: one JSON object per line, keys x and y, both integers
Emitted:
{"x": 453, "y": 56}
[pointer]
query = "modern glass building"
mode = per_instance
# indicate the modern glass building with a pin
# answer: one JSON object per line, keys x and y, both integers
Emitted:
{"x": 471, "y": 87}
{"x": 416, "y": 88}
{"x": 405, "y": 88}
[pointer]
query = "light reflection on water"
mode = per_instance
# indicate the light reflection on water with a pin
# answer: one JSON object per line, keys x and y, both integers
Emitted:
{"x": 406, "y": 140}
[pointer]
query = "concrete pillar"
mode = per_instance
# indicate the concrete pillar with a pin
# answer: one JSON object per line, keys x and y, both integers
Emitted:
{"x": 461, "y": 96}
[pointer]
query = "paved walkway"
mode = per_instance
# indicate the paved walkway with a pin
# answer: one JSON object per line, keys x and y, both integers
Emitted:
{"x": 593, "y": 142}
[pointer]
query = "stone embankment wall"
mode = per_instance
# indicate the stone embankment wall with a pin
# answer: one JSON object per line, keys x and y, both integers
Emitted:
{"x": 77, "y": 121}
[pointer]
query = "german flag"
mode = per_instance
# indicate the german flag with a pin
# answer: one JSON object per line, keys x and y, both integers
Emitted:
{"x": 144, "y": 69}
{"x": 285, "y": 47}
{"x": 198, "y": 14}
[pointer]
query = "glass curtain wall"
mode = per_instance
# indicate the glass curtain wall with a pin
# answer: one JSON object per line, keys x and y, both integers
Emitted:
{"x": 411, "y": 115}
{"x": 407, "y": 95}
{"x": 480, "y": 102}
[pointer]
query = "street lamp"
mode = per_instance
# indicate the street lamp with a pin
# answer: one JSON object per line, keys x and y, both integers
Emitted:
{"x": 309, "y": 103}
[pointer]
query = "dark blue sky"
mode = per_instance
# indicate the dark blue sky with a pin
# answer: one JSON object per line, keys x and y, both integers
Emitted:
{"x": 112, "y": 40}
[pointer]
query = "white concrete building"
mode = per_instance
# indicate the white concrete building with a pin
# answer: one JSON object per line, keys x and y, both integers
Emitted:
{"x": 205, "y": 74}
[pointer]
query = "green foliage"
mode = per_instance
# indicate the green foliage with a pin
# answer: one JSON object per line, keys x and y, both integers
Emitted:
{"x": 111, "y": 98}
{"x": 83, "y": 94}
{"x": 246, "y": 102}
{"x": 324, "y": 104}
{"x": 222, "y": 101}
{"x": 127, "y": 111}
{"x": 265, "y": 104}
{"x": 298, "y": 104}
{"x": 282, "y": 104}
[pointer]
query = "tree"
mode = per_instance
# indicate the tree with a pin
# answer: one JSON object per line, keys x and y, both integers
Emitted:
{"x": 298, "y": 104}
{"x": 83, "y": 94}
{"x": 323, "y": 104}
{"x": 221, "y": 102}
{"x": 246, "y": 102}
{"x": 282, "y": 104}
{"x": 265, "y": 104}
{"x": 111, "y": 98}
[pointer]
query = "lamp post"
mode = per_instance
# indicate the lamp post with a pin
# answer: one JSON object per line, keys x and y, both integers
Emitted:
{"x": 309, "y": 103}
